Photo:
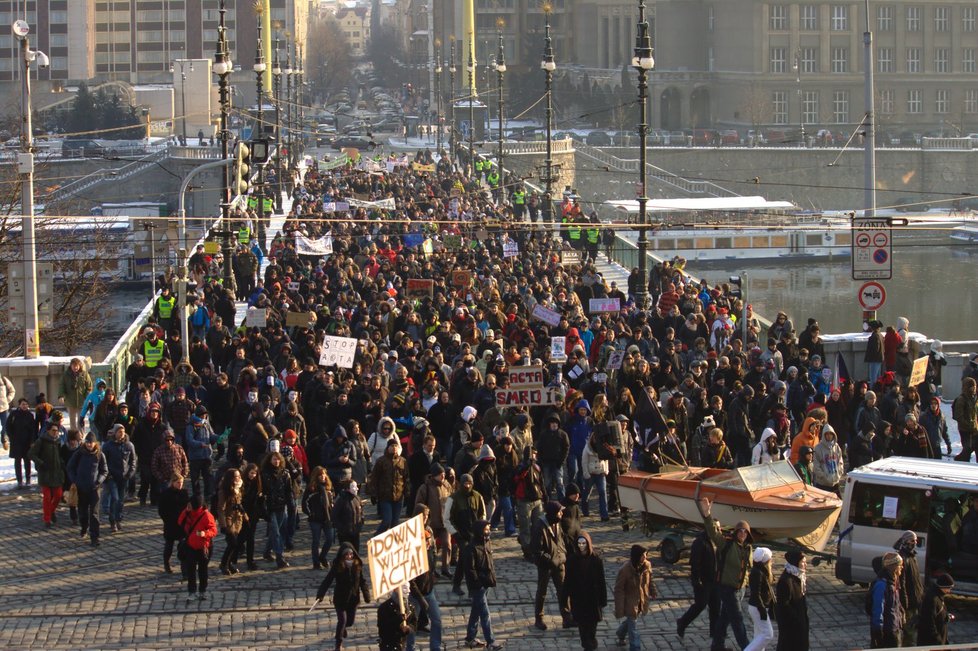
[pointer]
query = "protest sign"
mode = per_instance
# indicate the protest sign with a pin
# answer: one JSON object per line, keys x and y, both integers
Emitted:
{"x": 570, "y": 257}
{"x": 306, "y": 246}
{"x": 397, "y": 556}
{"x": 525, "y": 376}
{"x": 614, "y": 360}
{"x": 420, "y": 287}
{"x": 461, "y": 278}
{"x": 545, "y": 314}
{"x": 413, "y": 239}
{"x": 257, "y": 317}
{"x": 511, "y": 249}
{"x": 919, "y": 371}
{"x": 603, "y": 305}
{"x": 339, "y": 351}
{"x": 300, "y": 319}
{"x": 452, "y": 242}
{"x": 537, "y": 396}
{"x": 558, "y": 346}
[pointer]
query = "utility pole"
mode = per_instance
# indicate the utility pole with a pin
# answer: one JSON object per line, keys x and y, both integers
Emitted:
{"x": 500, "y": 71}
{"x": 643, "y": 62}
{"x": 222, "y": 68}
{"x": 472, "y": 96}
{"x": 259, "y": 69}
{"x": 451, "y": 96}
{"x": 548, "y": 65}
{"x": 869, "y": 124}
{"x": 277, "y": 92}
{"x": 438, "y": 98}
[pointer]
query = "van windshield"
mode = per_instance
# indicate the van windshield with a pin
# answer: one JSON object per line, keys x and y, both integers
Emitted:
{"x": 889, "y": 507}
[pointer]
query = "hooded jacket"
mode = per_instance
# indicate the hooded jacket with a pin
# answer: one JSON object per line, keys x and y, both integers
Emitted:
{"x": 484, "y": 475}
{"x": 829, "y": 466}
{"x": 433, "y": 494}
{"x": 733, "y": 559}
{"x": 579, "y": 429}
{"x": 760, "y": 453}
{"x": 477, "y": 563}
{"x": 351, "y": 582}
{"x": 553, "y": 446}
{"x": 546, "y": 541}
{"x": 377, "y": 443}
{"x": 46, "y": 455}
{"x": 591, "y": 463}
{"x": 634, "y": 588}
{"x": 121, "y": 459}
{"x": 807, "y": 435}
{"x": 87, "y": 469}
{"x": 584, "y": 584}
{"x": 200, "y": 521}
{"x": 389, "y": 478}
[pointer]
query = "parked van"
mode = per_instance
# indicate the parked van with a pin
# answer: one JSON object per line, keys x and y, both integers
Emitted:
{"x": 932, "y": 498}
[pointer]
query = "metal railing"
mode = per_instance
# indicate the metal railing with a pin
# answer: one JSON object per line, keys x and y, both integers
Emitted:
{"x": 947, "y": 143}
{"x": 85, "y": 183}
{"x": 194, "y": 153}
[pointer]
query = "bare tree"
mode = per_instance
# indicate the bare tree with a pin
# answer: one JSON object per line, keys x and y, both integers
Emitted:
{"x": 756, "y": 105}
{"x": 330, "y": 66}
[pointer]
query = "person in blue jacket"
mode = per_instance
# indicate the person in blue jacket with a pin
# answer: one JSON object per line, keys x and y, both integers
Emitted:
{"x": 88, "y": 470}
{"x": 886, "y": 611}
{"x": 197, "y": 441}
{"x": 579, "y": 428}
{"x": 120, "y": 456}
{"x": 93, "y": 400}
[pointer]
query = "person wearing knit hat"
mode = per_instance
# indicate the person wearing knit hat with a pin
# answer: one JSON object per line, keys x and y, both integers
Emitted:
{"x": 88, "y": 470}
{"x": 549, "y": 554}
{"x": 634, "y": 589}
{"x": 932, "y": 627}
{"x": 761, "y": 602}
{"x": 467, "y": 507}
{"x": 886, "y": 608}
{"x": 732, "y": 575}
{"x": 911, "y": 585}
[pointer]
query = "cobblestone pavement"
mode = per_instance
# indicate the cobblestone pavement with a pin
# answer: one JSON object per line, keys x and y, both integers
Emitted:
{"x": 59, "y": 593}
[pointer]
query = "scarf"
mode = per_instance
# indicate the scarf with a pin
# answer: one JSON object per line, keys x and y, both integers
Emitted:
{"x": 794, "y": 571}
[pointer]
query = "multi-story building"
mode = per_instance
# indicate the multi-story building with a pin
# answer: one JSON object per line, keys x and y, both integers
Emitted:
{"x": 355, "y": 23}
{"x": 800, "y": 64}
{"x": 71, "y": 50}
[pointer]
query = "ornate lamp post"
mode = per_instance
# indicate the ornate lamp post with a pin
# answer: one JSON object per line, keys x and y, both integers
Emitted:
{"x": 500, "y": 71}
{"x": 548, "y": 65}
{"x": 222, "y": 68}
{"x": 472, "y": 96}
{"x": 438, "y": 117}
{"x": 288, "y": 107}
{"x": 643, "y": 62}
{"x": 451, "y": 95}
{"x": 277, "y": 92}
{"x": 184, "y": 66}
{"x": 259, "y": 69}
{"x": 298, "y": 141}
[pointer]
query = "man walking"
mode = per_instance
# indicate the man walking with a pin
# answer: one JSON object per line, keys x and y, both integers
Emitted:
{"x": 549, "y": 554}
{"x": 965, "y": 413}
{"x": 120, "y": 456}
{"x": 477, "y": 565}
{"x": 634, "y": 590}
{"x": 733, "y": 567}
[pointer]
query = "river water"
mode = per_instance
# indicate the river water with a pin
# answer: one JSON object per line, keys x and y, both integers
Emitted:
{"x": 933, "y": 286}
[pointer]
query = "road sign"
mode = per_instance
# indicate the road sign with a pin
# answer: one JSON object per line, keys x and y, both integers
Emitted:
{"x": 872, "y": 249}
{"x": 872, "y": 295}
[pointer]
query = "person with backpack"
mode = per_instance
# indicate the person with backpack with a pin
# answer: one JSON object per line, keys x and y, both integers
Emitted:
{"x": 733, "y": 565}
{"x": 703, "y": 577}
{"x": 884, "y": 604}
{"x": 550, "y": 555}
{"x": 529, "y": 492}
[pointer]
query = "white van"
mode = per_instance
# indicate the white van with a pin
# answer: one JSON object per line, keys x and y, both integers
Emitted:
{"x": 931, "y": 497}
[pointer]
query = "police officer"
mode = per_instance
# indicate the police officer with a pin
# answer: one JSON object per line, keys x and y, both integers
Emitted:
{"x": 518, "y": 199}
{"x": 163, "y": 309}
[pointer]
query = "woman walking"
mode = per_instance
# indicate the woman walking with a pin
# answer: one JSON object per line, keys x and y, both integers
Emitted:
{"x": 584, "y": 586}
{"x": 233, "y": 517}
{"x": 761, "y": 602}
{"x": 172, "y": 503}
{"x": 317, "y": 504}
{"x": 277, "y": 485}
{"x": 253, "y": 500}
{"x": 46, "y": 455}
{"x": 200, "y": 529}
{"x": 347, "y": 573}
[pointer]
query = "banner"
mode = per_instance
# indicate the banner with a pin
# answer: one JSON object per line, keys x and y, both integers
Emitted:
{"x": 397, "y": 556}
{"x": 511, "y": 249}
{"x": 305, "y": 246}
{"x": 452, "y": 242}
{"x": 420, "y": 287}
{"x": 420, "y": 167}
{"x": 558, "y": 346}
{"x": 256, "y": 317}
{"x": 412, "y": 240}
{"x": 545, "y": 314}
{"x": 614, "y": 360}
{"x": 300, "y": 319}
{"x": 342, "y": 160}
{"x": 537, "y": 396}
{"x": 570, "y": 257}
{"x": 603, "y": 305}
{"x": 336, "y": 206}
{"x": 461, "y": 278}
{"x": 339, "y": 351}
{"x": 525, "y": 376}
{"x": 383, "y": 204}
{"x": 919, "y": 371}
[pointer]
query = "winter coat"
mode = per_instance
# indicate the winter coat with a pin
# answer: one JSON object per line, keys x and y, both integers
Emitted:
{"x": 733, "y": 559}
{"x": 932, "y": 625}
{"x": 146, "y": 437}
{"x": 350, "y": 582}
{"x": 584, "y": 584}
{"x": 760, "y": 454}
{"x": 484, "y": 477}
{"x": 579, "y": 429}
{"x": 171, "y": 504}
{"x": 21, "y": 428}
{"x": 197, "y": 440}
{"x": 333, "y": 449}
{"x": 477, "y": 564}
{"x": 592, "y": 464}
{"x": 861, "y": 451}
{"x": 195, "y": 523}
{"x": 935, "y": 424}
{"x": 46, "y": 455}
{"x": 547, "y": 544}
{"x": 232, "y": 511}
{"x": 318, "y": 505}
{"x": 887, "y": 612}
{"x": 277, "y": 486}
{"x": 377, "y": 443}
{"x": 552, "y": 445}
{"x": 964, "y": 410}
{"x": 7, "y": 393}
{"x": 389, "y": 478}
{"x": 761, "y": 589}
{"x": 807, "y": 435}
{"x": 791, "y": 608}
{"x": 75, "y": 387}
{"x": 87, "y": 469}
{"x": 467, "y": 508}
{"x": 121, "y": 459}
{"x": 874, "y": 348}
{"x": 434, "y": 494}
{"x": 347, "y": 515}
{"x": 829, "y": 466}
{"x": 634, "y": 589}
{"x": 911, "y": 584}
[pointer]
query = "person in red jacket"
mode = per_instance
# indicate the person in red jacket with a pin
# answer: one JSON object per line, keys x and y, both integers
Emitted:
{"x": 195, "y": 552}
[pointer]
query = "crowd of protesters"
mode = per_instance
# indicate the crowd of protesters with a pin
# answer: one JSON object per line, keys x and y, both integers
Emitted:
{"x": 439, "y": 295}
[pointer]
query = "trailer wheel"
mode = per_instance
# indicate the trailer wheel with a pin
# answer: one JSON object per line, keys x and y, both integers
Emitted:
{"x": 669, "y": 551}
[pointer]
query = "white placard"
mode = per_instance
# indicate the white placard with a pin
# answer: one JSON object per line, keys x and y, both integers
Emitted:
{"x": 614, "y": 360}
{"x": 545, "y": 314}
{"x": 339, "y": 351}
{"x": 306, "y": 246}
{"x": 603, "y": 305}
{"x": 538, "y": 395}
{"x": 256, "y": 317}
{"x": 511, "y": 249}
{"x": 890, "y": 505}
{"x": 558, "y": 346}
{"x": 525, "y": 376}
{"x": 397, "y": 556}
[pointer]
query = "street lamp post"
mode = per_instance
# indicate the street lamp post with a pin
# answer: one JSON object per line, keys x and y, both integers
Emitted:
{"x": 299, "y": 117}
{"x": 548, "y": 65}
{"x": 472, "y": 96}
{"x": 801, "y": 103}
{"x": 451, "y": 96}
{"x": 288, "y": 106}
{"x": 500, "y": 71}
{"x": 642, "y": 62}
{"x": 438, "y": 98}
{"x": 222, "y": 68}
{"x": 259, "y": 69}
{"x": 277, "y": 92}
{"x": 183, "y": 92}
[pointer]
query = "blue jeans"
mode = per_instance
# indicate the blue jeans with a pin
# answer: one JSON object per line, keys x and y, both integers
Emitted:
{"x": 434, "y": 617}
{"x": 629, "y": 628}
{"x": 730, "y": 615}
{"x": 599, "y": 482}
{"x": 575, "y": 474}
{"x": 874, "y": 371}
{"x": 291, "y": 523}
{"x": 553, "y": 479}
{"x": 323, "y": 532}
{"x": 479, "y": 615}
{"x": 3, "y": 425}
{"x": 112, "y": 499}
{"x": 389, "y": 514}
{"x": 274, "y": 532}
{"x": 504, "y": 508}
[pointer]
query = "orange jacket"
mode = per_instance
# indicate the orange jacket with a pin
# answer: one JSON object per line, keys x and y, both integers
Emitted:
{"x": 809, "y": 434}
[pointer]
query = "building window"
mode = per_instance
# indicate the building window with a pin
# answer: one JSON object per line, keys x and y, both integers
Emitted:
{"x": 809, "y": 59}
{"x": 777, "y": 18}
{"x": 942, "y": 101}
{"x": 58, "y": 18}
{"x": 968, "y": 59}
{"x": 840, "y": 18}
{"x": 884, "y": 59}
{"x": 942, "y": 60}
{"x": 942, "y": 19}
{"x": 57, "y": 40}
{"x": 779, "y": 59}
{"x": 913, "y": 19}
{"x": 884, "y": 18}
{"x": 840, "y": 59}
{"x": 779, "y": 107}
{"x": 914, "y": 102}
{"x": 971, "y": 100}
{"x": 149, "y": 16}
{"x": 840, "y": 106}
{"x": 887, "y": 101}
{"x": 968, "y": 19}
{"x": 808, "y": 15}
{"x": 913, "y": 59}
{"x": 809, "y": 107}
{"x": 149, "y": 36}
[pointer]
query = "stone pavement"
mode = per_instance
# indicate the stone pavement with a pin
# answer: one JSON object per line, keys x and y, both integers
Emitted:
{"x": 59, "y": 593}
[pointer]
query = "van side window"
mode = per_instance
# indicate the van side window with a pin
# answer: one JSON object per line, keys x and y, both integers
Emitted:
{"x": 889, "y": 507}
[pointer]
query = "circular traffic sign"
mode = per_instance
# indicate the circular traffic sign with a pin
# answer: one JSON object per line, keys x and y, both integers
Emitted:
{"x": 872, "y": 295}
{"x": 880, "y": 240}
{"x": 862, "y": 240}
{"x": 880, "y": 256}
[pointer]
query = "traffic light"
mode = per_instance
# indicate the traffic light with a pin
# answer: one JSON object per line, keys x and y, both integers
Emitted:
{"x": 241, "y": 176}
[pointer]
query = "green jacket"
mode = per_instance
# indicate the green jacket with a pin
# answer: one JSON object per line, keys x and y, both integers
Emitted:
{"x": 964, "y": 410}
{"x": 75, "y": 387}
{"x": 46, "y": 455}
{"x": 733, "y": 559}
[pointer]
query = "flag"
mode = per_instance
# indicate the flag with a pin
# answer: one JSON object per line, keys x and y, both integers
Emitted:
{"x": 841, "y": 372}
{"x": 648, "y": 419}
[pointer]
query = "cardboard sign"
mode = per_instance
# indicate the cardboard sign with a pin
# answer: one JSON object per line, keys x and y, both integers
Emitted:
{"x": 321, "y": 247}
{"x": 299, "y": 319}
{"x": 211, "y": 247}
{"x": 536, "y": 396}
{"x": 397, "y": 556}
{"x": 614, "y": 360}
{"x": 256, "y": 318}
{"x": 525, "y": 376}
{"x": 461, "y": 278}
{"x": 421, "y": 167}
{"x": 570, "y": 257}
{"x": 545, "y": 314}
{"x": 339, "y": 351}
{"x": 919, "y": 371}
{"x": 452, "y": 242}
{"x": 420, "y": 287}
{"x": 603, "y": 305}
{"x": 557, "y": 349}
{"x": 511, "y": 249}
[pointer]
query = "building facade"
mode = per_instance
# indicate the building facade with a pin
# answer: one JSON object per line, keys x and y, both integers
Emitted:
{"x": 71, "y": 50}
{"x": 800, "y": 65}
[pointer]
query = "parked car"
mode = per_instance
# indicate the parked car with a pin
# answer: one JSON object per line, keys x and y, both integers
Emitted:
{"x": 729, "y": 137}
{"x": 359, "y": 142}
{"x": 81, "y": 148}
{"x": 705, "y": 137}
{"x": 598, "y": 139}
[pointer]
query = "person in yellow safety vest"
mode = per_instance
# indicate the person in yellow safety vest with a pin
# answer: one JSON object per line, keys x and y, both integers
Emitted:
{"x": 163, "y": 309}
{"x": 252, "y": 202}
{"x": 150, "y": 346}
{"x": 519, "y": 202}
{"x": 244, "y": 235}
{"x": 593, "y": 241}
{"x": 269, "y": 205}
{"x": 492, "y": 178}
{"x": 574, "y": 235}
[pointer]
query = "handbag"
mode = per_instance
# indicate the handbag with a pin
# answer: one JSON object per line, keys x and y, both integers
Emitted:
{"x": 72, "y": 498}
{"x": 183, "y": 546}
